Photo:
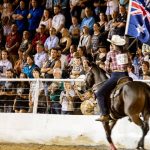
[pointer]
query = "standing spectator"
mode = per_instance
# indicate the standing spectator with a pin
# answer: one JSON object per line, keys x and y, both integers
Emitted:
{"x": 30, "y": 66}
{"x": 58, "y": 21}
{"x": 5, "y": 64}
{"x": 54, "y": 95}
{"x": 12, "y": 42}
{"x": 67, "y": 99}
{"x": 34, "y": 17}
{"x": 8, "y": 92}
{"x": 41, "y": 97}
{"x": 21, "y": 102}
{"x": 20, "y": 17}
{"x": 40, "y": 57}
{"x": 52, "y": 40}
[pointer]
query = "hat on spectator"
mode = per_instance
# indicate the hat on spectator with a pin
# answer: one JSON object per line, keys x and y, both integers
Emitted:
{"x": 117, "y": 40}
{"x": 86, "y": 26}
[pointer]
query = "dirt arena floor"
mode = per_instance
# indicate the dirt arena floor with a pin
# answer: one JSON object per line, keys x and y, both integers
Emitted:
{"x": 6, "y": 146}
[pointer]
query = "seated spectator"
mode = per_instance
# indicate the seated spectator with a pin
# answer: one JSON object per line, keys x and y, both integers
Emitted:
{"x": 5, "y": 64}
{"x": 65, "y": 41}
{"x": 40, "y": 36}
{"x": 77, "y": 68}
{"x": 145, "y": 74}
{"x": 53, "y": 62}
{"x": 88, "y": 20}
{"x": 109, "y": 26}
{"x": 26, "y": 45}
{"x": 46, "y": 20}
{"x": 42, "y": 105}
{"x": 21, "y": 102}
{"x": 101, "y": 56}
{"x": 7, "y": 11}
{"x": 89, "y": 105}
{"x": 2, "y": 41}
{"x": 85, "y": 39}
{"x": 41, "y": 56}
{"x": 13, "y": 42}
{"x": 97, "y": 39}
{"x": 6, "y": 23}
{"x": 120, "y": 24}
{"x": 29, "y": 66}
{"x": 82, "y": 52}
{"x": 67, "y": 99}
{"x": 20, "y": 63}
{"x": 112, "y": 6}
{"x": 74, "y": 30}
{"x": 52, "y": 40}
{"x": 102, "y": 22}
{"x": 20, "y": 17}
{"x": 130, "y": 69}
{"x": 58, "y": 21}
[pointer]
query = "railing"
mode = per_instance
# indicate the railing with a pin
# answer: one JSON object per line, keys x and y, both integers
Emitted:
{"x": 36, "y": 89}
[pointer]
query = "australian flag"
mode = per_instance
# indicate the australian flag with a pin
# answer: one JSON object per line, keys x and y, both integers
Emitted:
{"x": 139, "y": 20}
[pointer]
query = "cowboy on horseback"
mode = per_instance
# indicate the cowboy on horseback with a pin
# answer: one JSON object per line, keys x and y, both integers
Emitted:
{"x": 117, "y": 61}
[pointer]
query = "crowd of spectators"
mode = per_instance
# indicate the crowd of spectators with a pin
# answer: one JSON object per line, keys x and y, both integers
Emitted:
{"x": 56, "y": 39}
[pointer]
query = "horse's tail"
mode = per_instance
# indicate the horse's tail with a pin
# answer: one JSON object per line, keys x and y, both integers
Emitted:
{"x": 147, "y": 102}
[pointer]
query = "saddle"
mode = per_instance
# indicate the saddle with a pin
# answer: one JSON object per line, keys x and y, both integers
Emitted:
{"x": 116, "y": 92}
{"x": 121, "y": 82}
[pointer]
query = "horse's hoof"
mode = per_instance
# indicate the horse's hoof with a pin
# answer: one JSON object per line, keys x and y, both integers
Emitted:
{"x": 140, "y": 148}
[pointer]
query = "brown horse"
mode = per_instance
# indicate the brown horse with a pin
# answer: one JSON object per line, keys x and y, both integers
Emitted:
{"x": 133, "y": 101}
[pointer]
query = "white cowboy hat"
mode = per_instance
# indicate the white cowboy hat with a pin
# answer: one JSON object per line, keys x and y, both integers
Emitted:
{"x": 117, "y": 40}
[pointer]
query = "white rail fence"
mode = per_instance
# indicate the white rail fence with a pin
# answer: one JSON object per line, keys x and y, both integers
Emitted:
{"x": 66, "y": 129}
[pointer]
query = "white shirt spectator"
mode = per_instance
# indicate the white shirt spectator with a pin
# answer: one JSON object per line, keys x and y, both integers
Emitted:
{"x": 51, "y": 41}
{"x": 112, "y": 5}
{"x": 85, "y": 40}
{"x": 40, "y": 59}
{"x": 58, "y": 21}
{"x": 4, "y": 66}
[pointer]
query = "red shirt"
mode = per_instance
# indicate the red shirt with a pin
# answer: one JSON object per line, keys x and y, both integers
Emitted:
{"x": 11, "y": 40}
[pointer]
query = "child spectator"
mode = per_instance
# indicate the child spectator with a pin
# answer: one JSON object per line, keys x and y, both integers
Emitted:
{"x": 77, "y": 68}
{"x": 67, "y": 100}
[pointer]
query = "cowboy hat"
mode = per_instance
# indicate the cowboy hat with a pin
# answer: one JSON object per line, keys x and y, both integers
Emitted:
{"x": 117, "y": 40}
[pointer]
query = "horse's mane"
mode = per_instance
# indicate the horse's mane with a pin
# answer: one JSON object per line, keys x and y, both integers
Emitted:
{"x": 97, "y": 67}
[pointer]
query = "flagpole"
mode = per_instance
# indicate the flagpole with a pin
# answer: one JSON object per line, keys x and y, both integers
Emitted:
{"x": 128, "y": 17}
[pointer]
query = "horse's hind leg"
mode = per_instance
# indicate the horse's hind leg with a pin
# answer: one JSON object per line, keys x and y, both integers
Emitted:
{"x": 144, "y": 126}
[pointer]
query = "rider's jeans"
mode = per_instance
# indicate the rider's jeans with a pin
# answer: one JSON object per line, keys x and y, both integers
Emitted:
{"x": 103, "y": 93}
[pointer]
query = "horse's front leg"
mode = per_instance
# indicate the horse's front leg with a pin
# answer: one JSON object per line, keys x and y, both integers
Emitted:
{"x": 108, "y": 128}
{"x": 145, "y": 129}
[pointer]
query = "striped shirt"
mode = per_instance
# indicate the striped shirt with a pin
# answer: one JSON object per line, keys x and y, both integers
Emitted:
{"x": 112, "y": 62}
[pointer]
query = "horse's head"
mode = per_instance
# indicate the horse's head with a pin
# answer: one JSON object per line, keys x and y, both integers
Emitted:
{"x": 89, "y": 80}
{"x": 95, "y": 76}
